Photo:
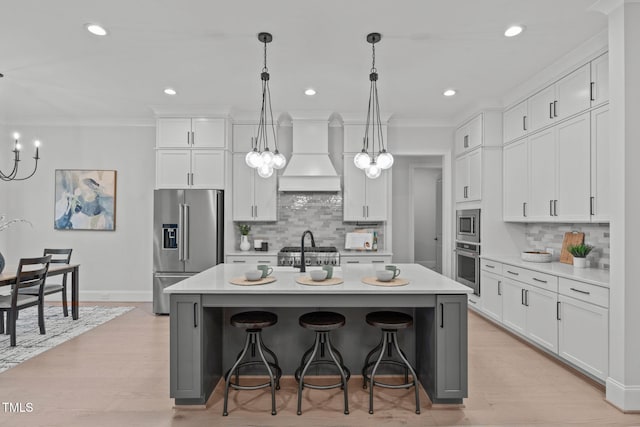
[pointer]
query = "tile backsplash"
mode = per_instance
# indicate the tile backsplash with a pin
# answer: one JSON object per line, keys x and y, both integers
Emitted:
{"x": 319, "y": 212}
{"x": 542, "y": 236}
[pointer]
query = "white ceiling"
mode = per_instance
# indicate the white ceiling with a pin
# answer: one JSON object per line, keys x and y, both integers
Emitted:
{"x": 208, "y": 51}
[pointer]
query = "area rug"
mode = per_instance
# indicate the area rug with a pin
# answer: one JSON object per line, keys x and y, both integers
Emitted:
{"x": 59, "y": 329}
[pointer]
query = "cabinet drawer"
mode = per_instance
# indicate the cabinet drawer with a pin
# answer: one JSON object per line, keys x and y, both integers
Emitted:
{"x": 252, "y": 259}
{"x": 491, "y": 266}
{"x": 364, "y": 259}
{"x": 585, "y": 292}
{"x": 534, "y": 278}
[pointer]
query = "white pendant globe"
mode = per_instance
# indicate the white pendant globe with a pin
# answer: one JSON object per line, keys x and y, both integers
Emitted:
{"x": 279, "y": 160}
{"x": 253, "y": 159}
{"x": 267, "y": 157}
{"x": 373, "y": 170}
{"x": 265, "y": 171}
{"x": 362, "y": 160}
{"x": 384, "y": 160}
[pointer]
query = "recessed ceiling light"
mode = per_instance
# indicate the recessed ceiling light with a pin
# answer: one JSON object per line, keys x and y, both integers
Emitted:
{"x": 514, "y": 30}
{"x": 96, "y": 29}
{"x": 170, "y": 91}
{"x": 449, "y": 92}
{"x": 310, "y": 92}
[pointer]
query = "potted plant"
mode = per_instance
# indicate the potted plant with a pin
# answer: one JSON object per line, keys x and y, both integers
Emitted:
{"x": 580, "y": 253}
{"x": 244, "y": 236}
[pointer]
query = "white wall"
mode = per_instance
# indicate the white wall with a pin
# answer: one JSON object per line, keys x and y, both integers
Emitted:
{"x": 424, "y": 214}
{"x": 114, "y": 265}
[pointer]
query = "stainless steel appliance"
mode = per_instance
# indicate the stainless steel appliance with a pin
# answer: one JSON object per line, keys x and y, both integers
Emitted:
{"x": 314, "y": 255}
{"x": 468, "y": 225}
{"x": 187, "y": 237}
{"x": 468, "y": 265}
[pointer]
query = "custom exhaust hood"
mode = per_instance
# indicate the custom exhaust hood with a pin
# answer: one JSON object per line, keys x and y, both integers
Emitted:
{"x": 310, "y": 168}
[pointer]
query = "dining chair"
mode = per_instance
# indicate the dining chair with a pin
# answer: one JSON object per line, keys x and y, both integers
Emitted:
{"x": 58, "y": 256}
{"x": 31, "y": 272}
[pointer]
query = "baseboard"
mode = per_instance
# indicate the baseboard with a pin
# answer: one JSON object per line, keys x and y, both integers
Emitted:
{"x": 625, "y": 398}
{"x": 118, "y": 296}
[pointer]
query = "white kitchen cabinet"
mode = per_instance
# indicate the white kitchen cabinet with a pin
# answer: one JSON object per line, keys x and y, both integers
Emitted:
{"x": 367, "y": 258}
{"x": 600, "y": 80}
{"x": 515, "y": 181}
{"x": 541, "y": 321}
{"x": 469, "y": 176}
{"x": 542, "y": 183}
{"x": 469, "y": 136}
{"x": 353, "y": 135}
{"x": 514, "y": 122}
{"x": 541, "y": 108}
{"x": 513, "y": 308}
{"x": 491, "y": 291}
{"x": 242, "y": 134}
{"x": 252, "y": 257}
{"x": 191, "y": 133}
{"x": 600, "y": 166}
{"x": 364, "y": 199}
{"x": 191, "y": 168}
{"x": 254, "y": 198}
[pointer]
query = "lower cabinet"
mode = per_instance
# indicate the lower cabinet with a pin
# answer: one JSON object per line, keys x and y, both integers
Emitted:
{"x": 365, "y": 259}
{"x": 253, "y": 258}
{"x": 491, "y": 295}
{"x": 513, "y": 308}
{"x": 451, "y": 347}
{"x": 186, "y": 347}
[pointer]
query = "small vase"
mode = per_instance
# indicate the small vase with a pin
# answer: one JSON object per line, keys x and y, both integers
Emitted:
{"x": 244, "y": 243}
{"x": 579, "y": 262}
{"x": 1, "y": 262}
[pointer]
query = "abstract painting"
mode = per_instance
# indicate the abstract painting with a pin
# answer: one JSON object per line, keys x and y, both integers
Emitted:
{"x": 85, "y": 200}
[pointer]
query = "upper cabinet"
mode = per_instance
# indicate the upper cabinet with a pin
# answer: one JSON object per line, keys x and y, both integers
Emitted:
{"x": 599, "y": 89}
{"x": 254, "y": 198}
{"x": 191, "y": 133}
{"x": 469, "y": 136}
{"x": 600, "y": 168}
{"x": 364, "y": 199}
{"x": 354, "y": 134}
{"x": 515, "y": 181}
{"x": 469, "y": 177}
{"x": 515, "y": 122}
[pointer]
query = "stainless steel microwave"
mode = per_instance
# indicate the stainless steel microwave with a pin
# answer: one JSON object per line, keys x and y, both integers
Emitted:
{"x": 468, "y": 225}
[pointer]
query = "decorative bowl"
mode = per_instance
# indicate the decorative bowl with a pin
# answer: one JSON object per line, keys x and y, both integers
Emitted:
{"x": 318, "y": 275}
{"x": 384, "y": 275}
{"x": 536, "y": 256}
{"x": 253, "y": 275}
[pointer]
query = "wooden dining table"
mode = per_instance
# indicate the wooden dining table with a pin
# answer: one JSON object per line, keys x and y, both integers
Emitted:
{"x": 8, "y": 277}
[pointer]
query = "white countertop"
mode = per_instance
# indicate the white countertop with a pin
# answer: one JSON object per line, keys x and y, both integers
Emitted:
{"x": 216, "y": 281}
{"x": 593, "y": 276}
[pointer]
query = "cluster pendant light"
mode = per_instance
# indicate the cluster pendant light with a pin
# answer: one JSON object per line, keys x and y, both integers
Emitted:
{"x": 373, "y": 164}
{"x": 13, "y": 175}
{"x": 260, "y": 157}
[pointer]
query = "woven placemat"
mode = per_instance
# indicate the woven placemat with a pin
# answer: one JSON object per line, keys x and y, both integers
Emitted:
{"x": 241, "y": 281}
{"x": 375, "y": 282}
{"x": 306, "y": 280}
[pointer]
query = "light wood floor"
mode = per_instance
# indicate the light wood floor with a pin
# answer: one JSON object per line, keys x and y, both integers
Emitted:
{"x": 118, "y": 375}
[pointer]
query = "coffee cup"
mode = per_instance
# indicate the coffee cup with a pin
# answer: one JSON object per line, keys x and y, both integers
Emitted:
{"x": 396, "y": 270}
{"x": 318, "y": 275}
{"x": 265, "y": 269}
{"x": 329, "y": 270}
{"x": 384, "y": 275}
{"x": 253, "y": 275}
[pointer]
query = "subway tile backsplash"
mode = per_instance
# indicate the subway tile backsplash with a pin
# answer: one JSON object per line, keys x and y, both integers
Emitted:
{"x": 542, "y": 236}
{"x": 319, "y": 212}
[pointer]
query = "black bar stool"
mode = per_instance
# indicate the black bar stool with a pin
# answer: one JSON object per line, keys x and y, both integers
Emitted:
{"x": 389, "y": 322}
{"x": 322, "y": 322}
{"x": 254, "y": 322}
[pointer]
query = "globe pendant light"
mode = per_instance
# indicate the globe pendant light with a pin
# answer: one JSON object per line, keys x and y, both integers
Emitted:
{"x": 261, "y": 157}
{"x": 371, "y": 163}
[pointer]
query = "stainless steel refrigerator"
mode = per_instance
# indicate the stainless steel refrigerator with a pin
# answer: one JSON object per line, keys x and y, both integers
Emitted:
{"x": 187, "y": 237}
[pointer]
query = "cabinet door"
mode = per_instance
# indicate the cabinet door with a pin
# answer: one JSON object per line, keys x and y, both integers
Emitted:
{"x": 541, "y": 323}
{"x": 572, "y": 93}
{"x": 353, "y": 135}
{"x": 354, "y": 191}
{"x": 461, "y": 139}
{"x": 515, "y": 181}
{"x": 376, "y": 197}
{"x": 265, "y": 192}
{"x": 462, "y": 178}
{"x": 600, "y": 80}
{"x": 242, "y": 135}
{"x": 474, "y": 186}
{"x": 541, "y": 108}
{"x": 572, "y": 170}
{"x": 584, "y": 335}
{"x": 208, "y": 133}
{"x": 173, "y": 168}
{"x": 513, "y": 308}
{"x": 207, "y": 167}
{"x": 451, "y": 347}
{"x": 491, "y": 295}
{"x": 600, "y": 167}
{"x": 243, "y": 207}
{"x": 174, "y": 133}
{"x": 515, "y": 122}
{"x": 186, "y": 347}
{"x": 475, "y": 132}
{"x": 542, "y": 175}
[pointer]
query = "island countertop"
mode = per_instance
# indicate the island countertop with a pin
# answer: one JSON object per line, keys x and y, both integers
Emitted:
{"x": 216, "y": 281}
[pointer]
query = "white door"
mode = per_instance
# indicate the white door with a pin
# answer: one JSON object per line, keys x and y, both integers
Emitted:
{"x": 515, "y": 122}
{"x": 474, "y": 189}
{"x": 376, "y": 197}
{"x": 265, "y": 197}
{"x": 174, "y": 133}
{"x": 515, "y": 181}
{"x": 542, "y": 323}
{"x": 541, "y": 108}
{"x": 572, "y": 93}
{"x": 462, "y": 178}
{"x": 491, "y": 290}
{"x": 207, "y": 167}
{"x": 173, "y": 168}
{"x": 600, "y": 166}
{"x": 354, "y": 191}
{"x": 243, "y": 207}
{"x": 208, "y": 133}
{"x": 600, "y": 79}
{"x": 513, "y": 309}
{"x": 542, "y": 175}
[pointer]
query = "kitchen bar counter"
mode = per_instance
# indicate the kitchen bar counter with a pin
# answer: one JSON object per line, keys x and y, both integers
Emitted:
{"x": 202, "y": 304}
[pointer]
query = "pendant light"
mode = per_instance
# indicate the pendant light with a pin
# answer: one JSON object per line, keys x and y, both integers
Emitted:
{"x": 373, "y": 164}
{"x": 261, "y": 157}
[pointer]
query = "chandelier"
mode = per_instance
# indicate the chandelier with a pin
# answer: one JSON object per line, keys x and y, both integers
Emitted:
{"x": 260, "y": 157}
{"x": 371, "y": 163}
{"x": 13, "y": 175}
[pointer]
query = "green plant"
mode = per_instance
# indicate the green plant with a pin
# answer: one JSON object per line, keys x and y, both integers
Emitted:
{"x": 580, "y": 251}
{"x": 244, "y": 229}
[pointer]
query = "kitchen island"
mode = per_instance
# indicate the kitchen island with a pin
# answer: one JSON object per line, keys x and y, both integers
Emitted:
{"x": 203, "y": 345}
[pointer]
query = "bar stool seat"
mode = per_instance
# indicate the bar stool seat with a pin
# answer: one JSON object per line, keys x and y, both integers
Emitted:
{"x": 322, "y": 322}
{"x": 254, "y": 322}
{"x": 390, "y": 322}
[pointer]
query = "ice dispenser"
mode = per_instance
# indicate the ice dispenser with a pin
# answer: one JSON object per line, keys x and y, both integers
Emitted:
{"x": 169, "y": 236}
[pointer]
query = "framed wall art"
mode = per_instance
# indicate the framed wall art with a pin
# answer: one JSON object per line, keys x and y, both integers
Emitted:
{"x": 85, "y": 200}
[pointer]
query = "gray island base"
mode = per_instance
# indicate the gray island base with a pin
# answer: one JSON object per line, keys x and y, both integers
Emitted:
{"x": 203, "y": 344}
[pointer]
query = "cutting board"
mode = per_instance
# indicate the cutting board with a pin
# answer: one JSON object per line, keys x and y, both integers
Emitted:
{"x": 570, "y": 239}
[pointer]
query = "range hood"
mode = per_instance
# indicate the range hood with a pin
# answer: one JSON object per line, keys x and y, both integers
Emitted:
{"x": 309, "y": 168}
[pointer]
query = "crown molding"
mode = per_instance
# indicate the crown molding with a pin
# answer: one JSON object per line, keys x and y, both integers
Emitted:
{"x": 190, "y": 111}
{"x": 88, "y": 122}
{"x": 608, "y": 6}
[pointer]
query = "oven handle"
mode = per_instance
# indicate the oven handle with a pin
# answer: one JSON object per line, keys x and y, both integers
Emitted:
{"x": 465, "y": 252}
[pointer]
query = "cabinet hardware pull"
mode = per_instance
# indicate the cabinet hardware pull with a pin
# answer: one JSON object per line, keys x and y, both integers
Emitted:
{"x": 555, "y": 207}
{"x": 524, "y": 209}
{"x": 591, "y": 205}
{"x": 526, "y": 297}
{"x": 513, "y": 272}
{"x": 499, "y": 287}
{"x": 193, "y": 138}
{"x": 592, "y": 87}
{"x": 377, "y": 261}
{"x": 522, "y": 296}
{"x": 188, "y": 138}
{"x": 490, "y": 266}
{"x": 551, "y": 110}
{"x": 265, "y": 262}
{"x": 555, "y": 108}
{"x": 558, "y": 310}
{"x": 539, "y": 280}
{"x": 239, "y": 261}
{"x": 550, "y": 207}
{"x": 580, "y": 291}
{"x": 367, "y": 211}
{"x": 188, "y": 178}
{"x": 441, "y": 315}
{"x": 353, "y": 262}
{"x": 195, "y": 314}
{"x": 524, "y": 122}
{"x": 191, "y": 178}
{"x": 364, "y": 213}
{"x": 256, "y": 211}
{"x": 466, "y": 141}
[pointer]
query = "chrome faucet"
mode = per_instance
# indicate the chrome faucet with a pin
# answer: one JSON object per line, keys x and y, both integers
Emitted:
{"x": 313, "y": 244}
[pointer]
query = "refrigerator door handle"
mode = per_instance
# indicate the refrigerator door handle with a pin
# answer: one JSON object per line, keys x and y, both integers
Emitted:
{"x": 186, "y": 232}
{"x": 180, "y": 233}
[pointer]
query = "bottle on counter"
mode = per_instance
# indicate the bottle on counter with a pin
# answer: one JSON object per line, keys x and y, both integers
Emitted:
{"x": 374, "y": 245}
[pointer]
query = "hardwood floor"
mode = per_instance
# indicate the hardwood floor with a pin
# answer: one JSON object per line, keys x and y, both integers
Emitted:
{"x": 118, "y": 374}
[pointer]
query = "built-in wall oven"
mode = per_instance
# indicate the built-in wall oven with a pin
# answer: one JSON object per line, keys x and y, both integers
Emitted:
{"x": 468, "y": 225}
{"x": 468, "y": 265}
